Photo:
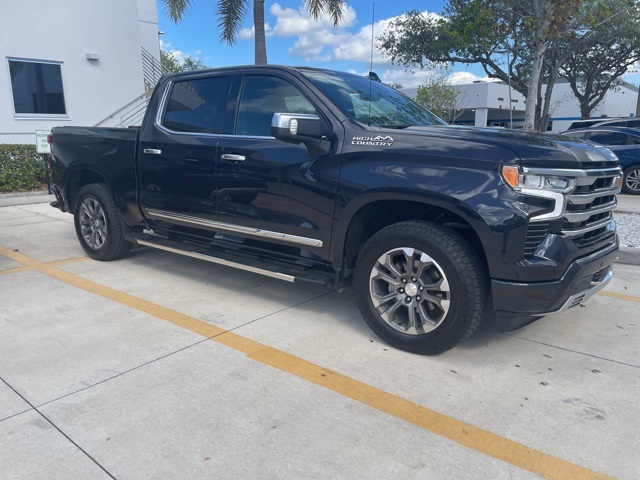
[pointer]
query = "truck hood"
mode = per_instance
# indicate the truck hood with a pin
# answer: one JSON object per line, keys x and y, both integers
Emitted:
{"x": 533, "y": 149}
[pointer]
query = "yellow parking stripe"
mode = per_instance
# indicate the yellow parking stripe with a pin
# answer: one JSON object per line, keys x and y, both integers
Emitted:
{"x": 619, "y": 296}
{"x": 14, "y": 270}
{"x": 465, "y": 434}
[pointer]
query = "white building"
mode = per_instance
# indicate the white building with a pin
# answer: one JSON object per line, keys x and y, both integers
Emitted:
{"x": 487, "y": 104}
{"x": 74, "y": 62}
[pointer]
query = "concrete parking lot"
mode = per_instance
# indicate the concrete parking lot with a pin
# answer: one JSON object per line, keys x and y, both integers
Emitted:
{"x": 160, "y": 366}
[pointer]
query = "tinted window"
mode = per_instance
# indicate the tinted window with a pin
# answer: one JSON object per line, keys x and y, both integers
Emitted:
{"x": 620, "y": 123}
{"x": 581, "y": 135}
{"x": 197, "y": 105}
{"x": 261, "y": 97}
{"x": 370, "y": 102}
{"x": 610, "y": 138}
{"x": 37, "y": 87}
{"x": 633, "y": 123}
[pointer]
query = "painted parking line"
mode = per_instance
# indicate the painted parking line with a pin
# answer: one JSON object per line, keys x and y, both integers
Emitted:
{"x": 619, "y": 296}
{"x": 32, "y": 265}
{"x": 448, "y": 427}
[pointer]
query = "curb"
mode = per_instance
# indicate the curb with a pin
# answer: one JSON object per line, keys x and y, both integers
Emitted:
{"x": 628, "y": 256}
{"x": 23, "y": 194}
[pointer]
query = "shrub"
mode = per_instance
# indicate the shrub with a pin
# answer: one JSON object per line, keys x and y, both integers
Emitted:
{"x": 21, "y": 168}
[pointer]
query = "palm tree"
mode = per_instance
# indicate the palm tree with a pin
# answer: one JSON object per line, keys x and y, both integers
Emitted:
{"x": 231, "y": 14}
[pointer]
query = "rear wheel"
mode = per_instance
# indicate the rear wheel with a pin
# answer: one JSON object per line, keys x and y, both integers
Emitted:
{"x": 631, "y": 180}
{"x": 421, "y": 287}
{"x": 98, "y": 224}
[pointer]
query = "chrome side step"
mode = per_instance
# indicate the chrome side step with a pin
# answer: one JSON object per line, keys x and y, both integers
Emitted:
{"x": 291, "y": 273}
{"x": 219, "y": 261}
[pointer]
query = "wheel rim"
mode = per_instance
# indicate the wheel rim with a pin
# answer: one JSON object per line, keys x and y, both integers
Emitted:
{"x": 410, "y": 291}
{"x": 632, "y": 180}
{"x": 93, "y": 223}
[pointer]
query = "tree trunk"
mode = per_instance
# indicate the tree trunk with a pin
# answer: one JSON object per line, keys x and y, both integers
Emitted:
{"x": 542, "y": 11}
{"x": 551, "y": 82}
{"x": 532, "y": 97}
{"x": 258, "y": 23}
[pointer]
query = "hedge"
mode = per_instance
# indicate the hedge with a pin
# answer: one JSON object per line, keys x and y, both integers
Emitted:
{"x": 21, "y": 168}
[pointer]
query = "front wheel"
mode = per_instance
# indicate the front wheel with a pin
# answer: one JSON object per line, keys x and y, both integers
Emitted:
{"x": 98, "y": 224}
{"x": 421, "y": 286}
{"x": 631, "y": 180}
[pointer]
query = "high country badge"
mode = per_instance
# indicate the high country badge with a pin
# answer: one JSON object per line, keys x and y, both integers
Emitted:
{"x": 378, "y": 141}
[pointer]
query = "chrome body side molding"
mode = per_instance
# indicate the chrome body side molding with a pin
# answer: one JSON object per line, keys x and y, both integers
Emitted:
{"x": 255, "y": 232}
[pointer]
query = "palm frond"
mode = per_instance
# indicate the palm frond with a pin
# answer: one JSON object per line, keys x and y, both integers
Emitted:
{"x": 231, "y": 13}
{"x": 175, "y": 9}
{"x": 335, "y": 8}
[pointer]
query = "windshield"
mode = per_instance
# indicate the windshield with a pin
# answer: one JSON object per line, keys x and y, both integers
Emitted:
{"x": 371, "y": 103}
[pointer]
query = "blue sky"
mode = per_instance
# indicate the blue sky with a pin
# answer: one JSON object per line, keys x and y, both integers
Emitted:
{"x": 293, "y": 38}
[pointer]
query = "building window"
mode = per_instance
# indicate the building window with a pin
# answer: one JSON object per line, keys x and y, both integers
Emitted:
{"x": 37, "y": 87}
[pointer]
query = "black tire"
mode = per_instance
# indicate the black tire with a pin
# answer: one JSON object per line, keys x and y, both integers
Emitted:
{"x": 448, "y": 295}
{"x": 98, "y": 224}
{"x": 631, "y": 180}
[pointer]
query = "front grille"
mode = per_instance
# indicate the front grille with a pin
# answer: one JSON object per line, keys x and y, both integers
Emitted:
{"x": 588, "y": 213}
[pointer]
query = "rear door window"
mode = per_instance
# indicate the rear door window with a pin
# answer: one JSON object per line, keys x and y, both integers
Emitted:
{"x": 197, "y": 105}
{"x": 610, "y": 138}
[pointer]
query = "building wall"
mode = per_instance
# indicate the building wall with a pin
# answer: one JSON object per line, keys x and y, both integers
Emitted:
{"x": 66, "y": 32}
{"x": 492, "y": 99}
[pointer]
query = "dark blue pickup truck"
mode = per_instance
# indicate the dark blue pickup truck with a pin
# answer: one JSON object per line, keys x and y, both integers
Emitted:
{"x": 310, "y": 175}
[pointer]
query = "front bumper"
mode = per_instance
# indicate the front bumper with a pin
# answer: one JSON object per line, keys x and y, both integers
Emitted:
{"x": 517, "y": 304}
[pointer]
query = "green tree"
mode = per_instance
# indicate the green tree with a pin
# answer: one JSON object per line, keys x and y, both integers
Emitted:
{"x": 231, "y": 14}
{"x": 611, "y": 51}
{"x": 439, "y": 96}
{"x": 175, "y": 65}
{"x": 536, "y": 36}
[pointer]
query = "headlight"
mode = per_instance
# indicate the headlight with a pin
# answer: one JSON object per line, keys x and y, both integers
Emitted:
{"x": 550, "y": 186}
{"x": 524, "y": 182}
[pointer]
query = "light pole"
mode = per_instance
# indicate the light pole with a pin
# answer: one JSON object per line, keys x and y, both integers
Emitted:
{"x": 509, "y": 79}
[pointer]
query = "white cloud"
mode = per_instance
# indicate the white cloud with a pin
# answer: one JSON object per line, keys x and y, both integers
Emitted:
{"x": 175, "y": 53}
{"x": 300, "y": 22}
{"x": 316, "y": 39}
{"x": 321, "y": 41}
{"x": 250, "y": 33}
{"x": 403, "y": 77}
{"x": 357, "y": 47}
{"x": 179, "y": 55}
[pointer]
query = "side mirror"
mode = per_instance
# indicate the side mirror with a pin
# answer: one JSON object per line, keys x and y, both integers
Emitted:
{"x": 297, "y": 127}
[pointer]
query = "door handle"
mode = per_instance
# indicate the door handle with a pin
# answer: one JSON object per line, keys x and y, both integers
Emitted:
{"x": 152, "y": 151}
{"x": 232, "y": 157}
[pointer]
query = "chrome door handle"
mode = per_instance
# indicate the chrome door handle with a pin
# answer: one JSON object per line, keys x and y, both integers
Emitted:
{"x": 232, "y": 158}
{"x": 152, "y": 151}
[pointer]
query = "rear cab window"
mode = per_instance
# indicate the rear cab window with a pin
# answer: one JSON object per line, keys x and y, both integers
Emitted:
{"x": 197, "y": 105}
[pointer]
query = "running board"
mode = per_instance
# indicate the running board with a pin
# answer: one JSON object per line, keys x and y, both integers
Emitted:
{"x": 228, "y": 259}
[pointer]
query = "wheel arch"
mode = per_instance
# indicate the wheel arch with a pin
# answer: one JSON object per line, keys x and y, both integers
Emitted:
{"x": 76, "y": 179}
{"x": 377, "y": 213}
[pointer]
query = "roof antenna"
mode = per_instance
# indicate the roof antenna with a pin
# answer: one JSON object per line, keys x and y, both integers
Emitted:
{"x": 373, "y": 19}
{"x": 372, "y": 75}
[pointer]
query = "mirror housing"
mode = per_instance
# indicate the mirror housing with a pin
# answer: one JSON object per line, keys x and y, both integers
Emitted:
{"x": 297, "y": 127}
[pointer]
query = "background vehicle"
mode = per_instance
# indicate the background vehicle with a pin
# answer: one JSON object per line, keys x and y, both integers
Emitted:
{"x": 625, "y": 143}
{"x": 629, "y": 122}
{"x": 310, "y": 175}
